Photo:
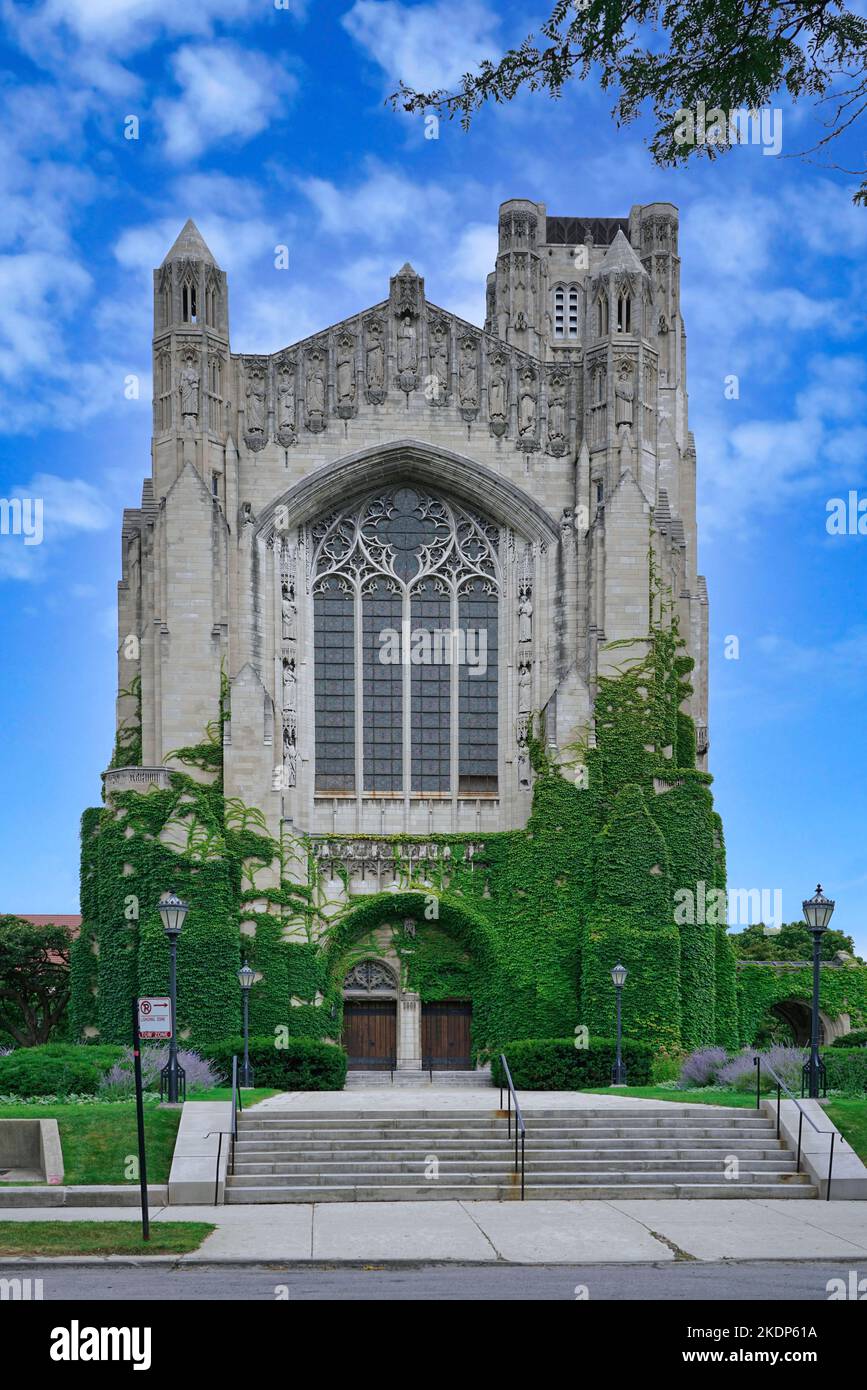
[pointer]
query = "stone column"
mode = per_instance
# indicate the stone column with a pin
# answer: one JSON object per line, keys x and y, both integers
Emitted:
{"x": 408, "y": 1031}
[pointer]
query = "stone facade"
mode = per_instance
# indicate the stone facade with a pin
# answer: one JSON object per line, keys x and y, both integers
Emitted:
{"x": 557, "y": 436}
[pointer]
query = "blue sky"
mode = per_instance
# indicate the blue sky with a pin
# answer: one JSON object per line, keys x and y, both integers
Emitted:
{"x": 267, "y": 126}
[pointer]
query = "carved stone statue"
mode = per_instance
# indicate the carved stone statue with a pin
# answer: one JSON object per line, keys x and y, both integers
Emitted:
{"x": 407, "y": 353}
{"x": 439, "y": 359}
{"x": 624, "y": 395}
{"x": 286, "y": 401}
{"x": 524, "y": 683}
{"x": 375, "y": 363}
{"x": 315, "y": 391}
{"x": 527, "y": 405}
{"x": 290, "y": 685}
{"x": 255, "y": 394}
{"x": 525, "y": 619}
{"x": 557, "y": 416}
{"x": 498, "y": 395}
{"x": 345, "y": 376}
{"x": 189, "y": 387}
{"x": 289, "y": 619}
{"x": 468, "y": 383}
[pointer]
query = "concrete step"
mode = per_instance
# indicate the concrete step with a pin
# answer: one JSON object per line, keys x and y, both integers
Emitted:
{"x": 403, "y": 1162}
{"x": 661, "y": 1172}
{"x": 512, "y": 1192}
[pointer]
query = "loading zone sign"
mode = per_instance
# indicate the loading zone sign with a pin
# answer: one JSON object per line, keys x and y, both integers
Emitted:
{"x": 155, "y": 1017}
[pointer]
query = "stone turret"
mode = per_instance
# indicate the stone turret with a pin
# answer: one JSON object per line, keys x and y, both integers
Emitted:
{"x": 190, "y": 357}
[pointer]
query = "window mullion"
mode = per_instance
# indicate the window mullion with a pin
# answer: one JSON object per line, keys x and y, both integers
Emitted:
{"x": 406, "y": 687}
{"x": 454, "y": 712}
{"x": 359, "y": 702}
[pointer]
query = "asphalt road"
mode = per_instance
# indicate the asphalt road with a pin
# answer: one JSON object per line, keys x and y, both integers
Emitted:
{"x": 764, "y": 1281}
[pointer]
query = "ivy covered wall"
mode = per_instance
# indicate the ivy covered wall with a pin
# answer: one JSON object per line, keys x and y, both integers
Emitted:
{"x": 529, "y": 928}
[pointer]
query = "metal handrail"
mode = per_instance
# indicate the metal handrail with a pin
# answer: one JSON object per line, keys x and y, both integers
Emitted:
{"x": 520, "y": 1127}
{"x": 781, "y": 1086}
{"x": 231, "y": 1133}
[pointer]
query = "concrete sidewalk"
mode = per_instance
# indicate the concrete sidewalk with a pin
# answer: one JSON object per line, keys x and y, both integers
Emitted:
{"x": 535, "y": 1232}
{"x": 432, "y": 1098}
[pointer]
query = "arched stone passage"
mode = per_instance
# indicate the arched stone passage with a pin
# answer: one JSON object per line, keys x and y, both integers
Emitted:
{"x": 384, "y": 933}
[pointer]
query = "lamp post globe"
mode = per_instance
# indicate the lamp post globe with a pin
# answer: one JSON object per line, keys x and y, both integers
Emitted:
{"x": 173, "y": 912}
{"x": 818, "y": 911}
{"x": 618, "y": 1071}
{"x": 246, "y": 977}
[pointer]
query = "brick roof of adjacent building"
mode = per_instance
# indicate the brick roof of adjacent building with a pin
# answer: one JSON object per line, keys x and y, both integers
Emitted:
{"x": 70, "y": 920}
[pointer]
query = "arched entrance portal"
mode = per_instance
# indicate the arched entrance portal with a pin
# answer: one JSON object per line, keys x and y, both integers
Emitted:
{"x": 797, "y": 1016}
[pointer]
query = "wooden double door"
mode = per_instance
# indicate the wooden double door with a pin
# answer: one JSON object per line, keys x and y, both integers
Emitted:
{"x": 445, "y": 1034}
{"x": 370, "y": 1033}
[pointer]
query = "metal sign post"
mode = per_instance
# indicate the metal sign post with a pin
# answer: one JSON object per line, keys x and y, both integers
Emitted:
{"x": 139, "y": 1109}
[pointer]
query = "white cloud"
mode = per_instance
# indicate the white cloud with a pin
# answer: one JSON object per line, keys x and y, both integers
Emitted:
{"x": 426, "y": 46}
{"x": 228, "y": 93}
{"x": 67, "y": 506}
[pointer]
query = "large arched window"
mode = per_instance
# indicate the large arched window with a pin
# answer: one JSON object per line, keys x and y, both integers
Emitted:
{"x": 405, "y": 608}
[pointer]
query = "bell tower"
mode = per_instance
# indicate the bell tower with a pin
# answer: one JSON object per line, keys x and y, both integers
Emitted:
{"x": 190, "y": 363}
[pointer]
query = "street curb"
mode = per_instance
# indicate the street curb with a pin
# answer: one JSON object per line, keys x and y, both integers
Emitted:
{"x": 409, "y": 1262}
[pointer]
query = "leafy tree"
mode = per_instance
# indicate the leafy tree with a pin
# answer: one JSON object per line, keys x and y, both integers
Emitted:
{"x": 791, "y": 942}
{"x": 672, "y": 54}
{"x": 34, "y": 979}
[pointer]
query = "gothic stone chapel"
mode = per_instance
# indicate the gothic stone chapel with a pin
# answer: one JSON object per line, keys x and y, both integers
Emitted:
{"x": 426, "y": 856}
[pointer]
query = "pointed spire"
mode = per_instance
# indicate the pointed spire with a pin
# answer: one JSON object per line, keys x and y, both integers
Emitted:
{"x": 621, "y": 256}
{"x": 190, "y": 246}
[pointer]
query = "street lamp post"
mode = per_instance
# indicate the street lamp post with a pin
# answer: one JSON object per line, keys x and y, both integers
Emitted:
{"x": 173, "y": 912}
{"x": 618, "y": 1071}
{"x": 817, "y": 915}
{"x": 246, "y": 976}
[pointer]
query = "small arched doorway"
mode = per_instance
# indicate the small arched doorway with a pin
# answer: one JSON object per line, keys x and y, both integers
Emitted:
{"x": 796, "y": 1015}
{"x": 370, "y": 992}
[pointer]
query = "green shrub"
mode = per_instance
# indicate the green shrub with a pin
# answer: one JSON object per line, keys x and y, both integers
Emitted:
{"x": 550, "y": 1064}
{"x": 57, "y": 1069}
{"x": 301, "y": 1064}
{"x": 846, "y": 1071}
{"x": 857, "y": 1038}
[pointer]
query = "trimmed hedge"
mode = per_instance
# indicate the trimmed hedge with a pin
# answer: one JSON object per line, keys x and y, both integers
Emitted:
{"x": 551, "y": 1064}
{"x": 56, "y": 1069}
{"x": 857, "y": 1038}
{"x": 300, "y": 1064}
{"x": 846, "y": 1071}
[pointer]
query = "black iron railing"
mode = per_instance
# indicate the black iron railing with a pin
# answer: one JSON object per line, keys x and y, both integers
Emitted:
{"x": 520, "y": 1127}
{"x": 802, "y": 1115}
{"x": 230, "y": 1134}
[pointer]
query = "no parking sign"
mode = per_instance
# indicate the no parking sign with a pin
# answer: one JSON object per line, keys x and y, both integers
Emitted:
{"x": 155, "y": 1017}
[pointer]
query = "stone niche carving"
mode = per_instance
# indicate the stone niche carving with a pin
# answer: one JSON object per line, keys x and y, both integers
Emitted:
{"x": 407, "y": 353}
{"x": 189, "y": 382}
{"x": 624, "y": 392}
{"x": 286, "y": 428}
{"x": 256, "y": 403}
{"x": 468, "y": 377}
{"x": 406, "y": 302}
{"x": 558, "y": 388}
{"x": 344, "y": 357}
{"x": 437, "y": 390}
{"x": 374, "y": 360}
{"x": 528, "y": 410}
{"x": 498, "y": 393}
{"x": 316, "y": 386}
{"x": 371, "y": 977}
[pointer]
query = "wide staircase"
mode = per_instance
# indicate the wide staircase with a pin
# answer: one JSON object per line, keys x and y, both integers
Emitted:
{"x": 420, "y": 1155}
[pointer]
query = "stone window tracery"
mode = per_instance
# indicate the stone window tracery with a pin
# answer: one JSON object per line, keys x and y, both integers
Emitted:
{"x": 406, "y": 592}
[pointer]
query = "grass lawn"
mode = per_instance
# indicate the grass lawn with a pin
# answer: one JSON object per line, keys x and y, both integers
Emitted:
{"x": 850, "y": 1117}
{"x": 100, "y": 1237}
{"x": 99, "y": 1140}
{"x": 704, "y": 1095}
{"x": 248, "y": 1098}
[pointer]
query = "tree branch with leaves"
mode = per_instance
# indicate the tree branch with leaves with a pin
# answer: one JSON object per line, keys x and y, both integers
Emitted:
{"x": 671, "y": 55}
